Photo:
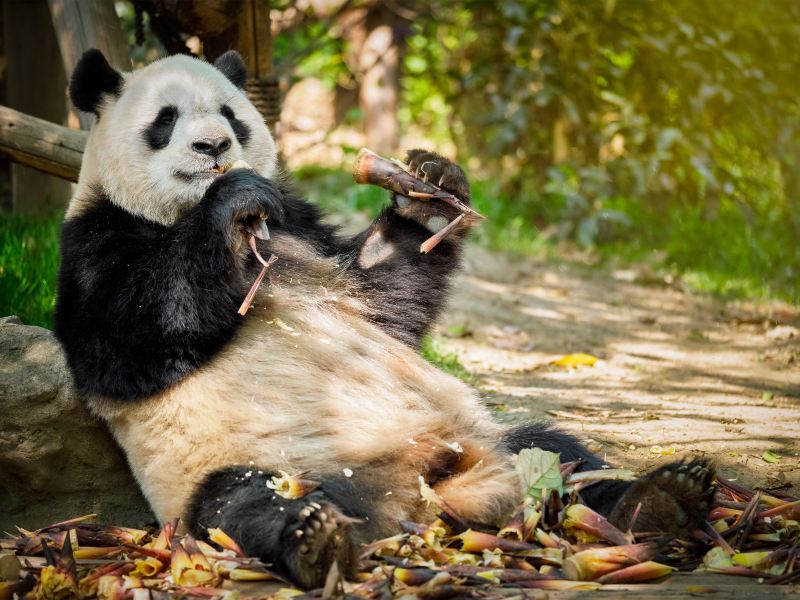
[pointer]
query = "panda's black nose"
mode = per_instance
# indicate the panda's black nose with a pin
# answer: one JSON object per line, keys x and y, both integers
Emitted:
{"x": 212, "y": 146}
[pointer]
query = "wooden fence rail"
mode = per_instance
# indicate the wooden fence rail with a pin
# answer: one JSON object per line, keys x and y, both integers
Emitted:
{"x": 40, "y": 144}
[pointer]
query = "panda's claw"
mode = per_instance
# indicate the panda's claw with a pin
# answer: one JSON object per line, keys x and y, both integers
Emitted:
{"x": 430, "y": 166}
{"x": 320, "y": 537}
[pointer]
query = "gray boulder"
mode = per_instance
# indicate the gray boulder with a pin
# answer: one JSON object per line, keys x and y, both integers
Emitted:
{"x": 56, "y": 460}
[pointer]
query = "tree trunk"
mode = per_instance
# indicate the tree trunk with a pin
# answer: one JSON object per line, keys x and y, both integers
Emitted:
{"x": 374, "y": 34}
{"x": 36, "y": 84}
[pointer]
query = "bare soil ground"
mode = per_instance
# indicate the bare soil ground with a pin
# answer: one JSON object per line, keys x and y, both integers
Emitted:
{"x": 679, "y": 375}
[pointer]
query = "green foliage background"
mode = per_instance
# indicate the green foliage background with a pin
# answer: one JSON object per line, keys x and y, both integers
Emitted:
{"x": 629, "y": 126}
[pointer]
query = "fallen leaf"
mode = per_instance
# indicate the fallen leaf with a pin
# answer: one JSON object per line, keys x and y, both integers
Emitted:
{"x": 573, "y": 361}
{"x": 770, "y": 457}
{"x": 9, "y": 567}
{"x": 539, "y": 470}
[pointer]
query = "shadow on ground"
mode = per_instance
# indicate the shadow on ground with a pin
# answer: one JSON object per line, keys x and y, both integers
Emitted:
{"x": 678, "y": 372}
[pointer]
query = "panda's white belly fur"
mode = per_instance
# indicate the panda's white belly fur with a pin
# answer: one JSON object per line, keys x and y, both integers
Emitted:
{"x": 308, "y": 386}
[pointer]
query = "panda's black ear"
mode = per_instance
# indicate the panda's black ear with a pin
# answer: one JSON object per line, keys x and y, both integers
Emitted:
{"x": 233, "y": 67}
{"x": 92, "y": 78}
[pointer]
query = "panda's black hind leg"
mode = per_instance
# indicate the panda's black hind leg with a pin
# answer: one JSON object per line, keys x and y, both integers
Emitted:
{"x": 406, "y": 289}
{"x": 674, "y": 498}
{"x": 300, "y": 539}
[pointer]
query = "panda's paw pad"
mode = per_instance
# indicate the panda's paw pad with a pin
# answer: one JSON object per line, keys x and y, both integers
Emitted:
{"x": 319, "y": 526}
{"x": 674, "y": 498}
{"x": 319, "y": 537}
{"x": 690, "y": 484}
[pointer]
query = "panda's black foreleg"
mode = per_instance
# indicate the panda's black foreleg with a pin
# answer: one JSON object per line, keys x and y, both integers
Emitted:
{"x": 674, "y": 498}
{"x": 140, "y": 304}
{"x": 300, "y": 539}
{"x": 405, "y": 288}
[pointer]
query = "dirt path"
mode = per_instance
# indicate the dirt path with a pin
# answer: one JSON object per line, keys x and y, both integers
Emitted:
{"x": 678, "y": 372}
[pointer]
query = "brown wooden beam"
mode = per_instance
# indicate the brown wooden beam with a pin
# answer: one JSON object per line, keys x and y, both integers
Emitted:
{"x": 40, "y": 144}
{"x": 255, "y": 38}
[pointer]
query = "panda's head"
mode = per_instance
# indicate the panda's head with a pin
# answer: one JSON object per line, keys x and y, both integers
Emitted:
{"x": 164, "y": 130}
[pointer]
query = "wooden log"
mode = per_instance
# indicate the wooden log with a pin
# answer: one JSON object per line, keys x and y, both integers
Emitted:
{"x": 37, "y": 143}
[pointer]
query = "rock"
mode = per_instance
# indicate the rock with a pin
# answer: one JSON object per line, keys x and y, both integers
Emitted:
{"x": 56, "y": 460}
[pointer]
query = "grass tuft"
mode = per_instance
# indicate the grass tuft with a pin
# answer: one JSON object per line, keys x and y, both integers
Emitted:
{"x": 29, "y": 267}
{"x": 433, "y": 350}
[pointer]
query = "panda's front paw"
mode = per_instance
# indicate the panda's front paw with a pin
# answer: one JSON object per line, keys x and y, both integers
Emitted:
{"x": 674, "y": 498}
{"x": 440, "y": 171}
{"x": 316, "y": 538}
{"x": 436, "y": 169}
{"x": 242, "y": 196}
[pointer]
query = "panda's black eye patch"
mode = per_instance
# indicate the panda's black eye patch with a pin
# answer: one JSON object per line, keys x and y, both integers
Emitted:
{"x": 240, "y": 129}
{"x": 159, "y": 132}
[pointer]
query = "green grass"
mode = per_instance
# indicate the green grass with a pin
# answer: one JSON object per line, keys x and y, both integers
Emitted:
{"x": 433, "y": 351}
{"x": 730, "y": 256}
{"x": 29, "y": 267}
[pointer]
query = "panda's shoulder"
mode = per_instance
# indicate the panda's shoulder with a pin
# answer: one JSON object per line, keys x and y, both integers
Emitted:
{"x": 101, "y": 222}
{"x": 306, "y": 221}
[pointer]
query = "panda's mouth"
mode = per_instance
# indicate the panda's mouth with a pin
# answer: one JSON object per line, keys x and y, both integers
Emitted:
{"x": 195, "y": 175}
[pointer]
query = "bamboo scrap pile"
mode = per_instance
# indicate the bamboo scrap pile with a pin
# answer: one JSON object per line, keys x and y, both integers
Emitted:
{"x": 547, "y": 544}
{"x": 79, "y": 559}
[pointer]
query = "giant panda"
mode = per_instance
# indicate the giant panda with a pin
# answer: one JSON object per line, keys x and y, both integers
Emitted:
{"x": 321, "y": 377}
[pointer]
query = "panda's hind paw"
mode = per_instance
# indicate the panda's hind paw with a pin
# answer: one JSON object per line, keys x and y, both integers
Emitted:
{"x": 674, "y": 498}
{"x": 317, "y": 538}
{"x": 689, "y": 482}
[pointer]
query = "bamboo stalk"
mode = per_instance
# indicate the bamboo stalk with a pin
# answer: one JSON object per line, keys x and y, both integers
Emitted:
{"x": 393, "y": 176}
{"x": 370, "y": 168}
